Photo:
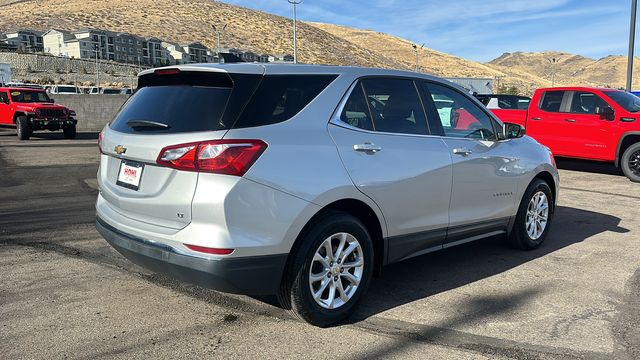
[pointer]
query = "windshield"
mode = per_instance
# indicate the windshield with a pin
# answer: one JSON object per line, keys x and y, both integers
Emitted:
{"x": 628, "y": 101}
{"x": 29, "y": 96}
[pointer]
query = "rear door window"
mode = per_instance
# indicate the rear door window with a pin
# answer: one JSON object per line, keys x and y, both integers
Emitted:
{"x": 356, "y": 111}
{"x": 395, "y": 106}
{"x": 551, "y": 101}
{"x": 281, "y": 97}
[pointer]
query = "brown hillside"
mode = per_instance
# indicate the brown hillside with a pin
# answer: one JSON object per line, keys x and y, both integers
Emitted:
{"x": 570, "y": 69}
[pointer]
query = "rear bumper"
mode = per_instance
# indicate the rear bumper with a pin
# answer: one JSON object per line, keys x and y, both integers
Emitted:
{"x": 257, "y": 275}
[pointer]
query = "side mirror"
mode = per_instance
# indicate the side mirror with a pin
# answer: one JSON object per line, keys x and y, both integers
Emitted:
{"x": 606, "y": 113}
{"x": 512, "y": 131}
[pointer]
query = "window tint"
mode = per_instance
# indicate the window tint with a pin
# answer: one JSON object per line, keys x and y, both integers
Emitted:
{"x": 183, "y": 108}
{"x": 395, "y": 106}
{"x": 356, "y": 111}
{"x": 460, "y": 117}
{"x": 551, "y": 101}
{"x": 279, "y": 98}
{"x": 586, "y": 103}
{"x": 4, "y": 98}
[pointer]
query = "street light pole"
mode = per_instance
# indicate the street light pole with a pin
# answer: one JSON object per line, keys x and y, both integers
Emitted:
{"x": 218, "y": 37}
{"x": 97, "y": 69}
{"x": 295, "y": 19}
{"x": 632, "y": 38}
{"x": 553, "y": 62}
{"x": 415, "y": 47}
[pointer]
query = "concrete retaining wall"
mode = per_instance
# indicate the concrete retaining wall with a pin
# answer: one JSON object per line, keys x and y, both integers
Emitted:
{"x": 93, "y": 111}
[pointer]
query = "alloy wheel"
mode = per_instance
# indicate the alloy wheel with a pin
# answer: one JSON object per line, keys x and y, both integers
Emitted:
{"x": 537, "y": 215}
{"x": 336, "y": 270}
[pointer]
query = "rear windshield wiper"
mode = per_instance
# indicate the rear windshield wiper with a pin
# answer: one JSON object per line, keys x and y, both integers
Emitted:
{"x": 147, "y": 124}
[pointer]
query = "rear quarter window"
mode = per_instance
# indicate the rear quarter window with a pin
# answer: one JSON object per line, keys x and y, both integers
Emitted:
{"x": 280, "y": 97}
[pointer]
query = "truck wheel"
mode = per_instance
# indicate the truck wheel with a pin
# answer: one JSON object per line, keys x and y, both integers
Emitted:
{"x": 23, "y": 128}
{"x": 330, "y": 270}
{"x": 534, "y": 216}
{"x": 69, "y": 132}
{"x": 630, "y": 162}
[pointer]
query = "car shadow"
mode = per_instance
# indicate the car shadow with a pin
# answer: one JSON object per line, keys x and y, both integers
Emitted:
{"x": 597, "y": 167}
{"x": 437, "y": 272}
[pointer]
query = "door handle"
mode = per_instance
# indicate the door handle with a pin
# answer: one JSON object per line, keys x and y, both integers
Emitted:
{"x": 536, "y": 118}
{"x": 462, "y": 152}
{"x": 570, "y": 120}
{"x": 367, "y": 147}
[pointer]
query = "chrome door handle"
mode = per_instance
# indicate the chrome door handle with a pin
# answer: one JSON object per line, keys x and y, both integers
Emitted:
{"x": 367, "y": 147}
{"x": 570, "y": 120}
{"x": 462, "y": 152}
{"x": 536, "y": 118}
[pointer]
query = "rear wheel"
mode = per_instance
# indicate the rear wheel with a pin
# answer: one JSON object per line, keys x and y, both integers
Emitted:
{"x": 69, "y": 132}
{"x": 534, "y": 216}
{"x": 330, "y": 270}
{"x": 630, "y": 162}
{"x": 23, "y": 128}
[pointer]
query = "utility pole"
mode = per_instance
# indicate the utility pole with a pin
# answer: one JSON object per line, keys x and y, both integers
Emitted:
{"x": 632, "y": 38}
{"x": 218, "y": 32}
{"x": 553, "y": 62}
{"x": 415, "y": 47}
{"x": 295, "y": 19}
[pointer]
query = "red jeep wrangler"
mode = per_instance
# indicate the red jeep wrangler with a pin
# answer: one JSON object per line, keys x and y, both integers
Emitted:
{"x": 29, "y": 110}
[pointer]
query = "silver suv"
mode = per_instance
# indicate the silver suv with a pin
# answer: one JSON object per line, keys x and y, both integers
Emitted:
{"x": 302, "y": 181}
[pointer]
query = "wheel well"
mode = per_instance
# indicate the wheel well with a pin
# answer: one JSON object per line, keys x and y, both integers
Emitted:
{"x": 548, "y": 178}
{"x": 624, "y": 145}
{"x": 16, "y": 115}
{"x": 362, "y": 212}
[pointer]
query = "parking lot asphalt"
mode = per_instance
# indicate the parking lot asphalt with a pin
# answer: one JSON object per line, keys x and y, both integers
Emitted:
{"x": 64, "y": 293}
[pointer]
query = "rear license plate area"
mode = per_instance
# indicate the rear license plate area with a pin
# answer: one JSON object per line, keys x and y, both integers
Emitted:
{"x": 130, "y": 174}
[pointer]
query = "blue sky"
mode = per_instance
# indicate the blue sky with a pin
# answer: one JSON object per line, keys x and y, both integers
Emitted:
{"x": 480, "y": 30}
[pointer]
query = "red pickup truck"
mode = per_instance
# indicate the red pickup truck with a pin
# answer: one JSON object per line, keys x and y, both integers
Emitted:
{"x": 584, "y": 123}
{"x": 29, "y": 110}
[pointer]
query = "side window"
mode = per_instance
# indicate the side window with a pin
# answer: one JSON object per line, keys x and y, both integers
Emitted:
{"x": 395, "y": 106}
{"x": 586, "y": 103}
{"x": 551, "y": 101}
{"x": 460, "y": 117}
{"x": 4, "y": 98}
{"x": 279, "y": 98}
{"x": 356, "y": 111}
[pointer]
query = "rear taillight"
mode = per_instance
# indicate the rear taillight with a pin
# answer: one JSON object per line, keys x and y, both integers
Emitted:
{"x": 100, "y": 142}
{"x": 207, "y": 250}
{"x": 229, "y": 157}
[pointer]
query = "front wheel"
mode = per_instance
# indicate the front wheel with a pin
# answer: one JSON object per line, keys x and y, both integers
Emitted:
{"x": 69, "y": 132}
{"x": 630, "y": 162}
{"x": 23, "y": 128}
{"x": 330, "y": 270}
{"x": 534, "y": 216}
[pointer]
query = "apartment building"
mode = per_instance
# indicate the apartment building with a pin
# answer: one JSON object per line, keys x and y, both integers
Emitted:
{"x": 196, "y": 53}
{"x": 24, "y": 40}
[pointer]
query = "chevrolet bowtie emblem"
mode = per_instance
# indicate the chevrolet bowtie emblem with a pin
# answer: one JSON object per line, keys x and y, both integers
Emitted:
{"x": 120, "y": 149}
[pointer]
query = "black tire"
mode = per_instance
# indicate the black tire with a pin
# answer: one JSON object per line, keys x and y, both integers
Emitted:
{"x": 69, "y": 132}
{"x": 295, "y": 293}
{"x": 519, "y": 236}
{"x": 23, "y": 128}
{"x": 630, "y": 162}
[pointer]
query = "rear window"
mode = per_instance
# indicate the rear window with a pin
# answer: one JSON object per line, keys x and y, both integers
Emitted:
{"x": 191, "y": 102}
{"x": 279, "y": 98}
{"x": 181, "y": 108}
